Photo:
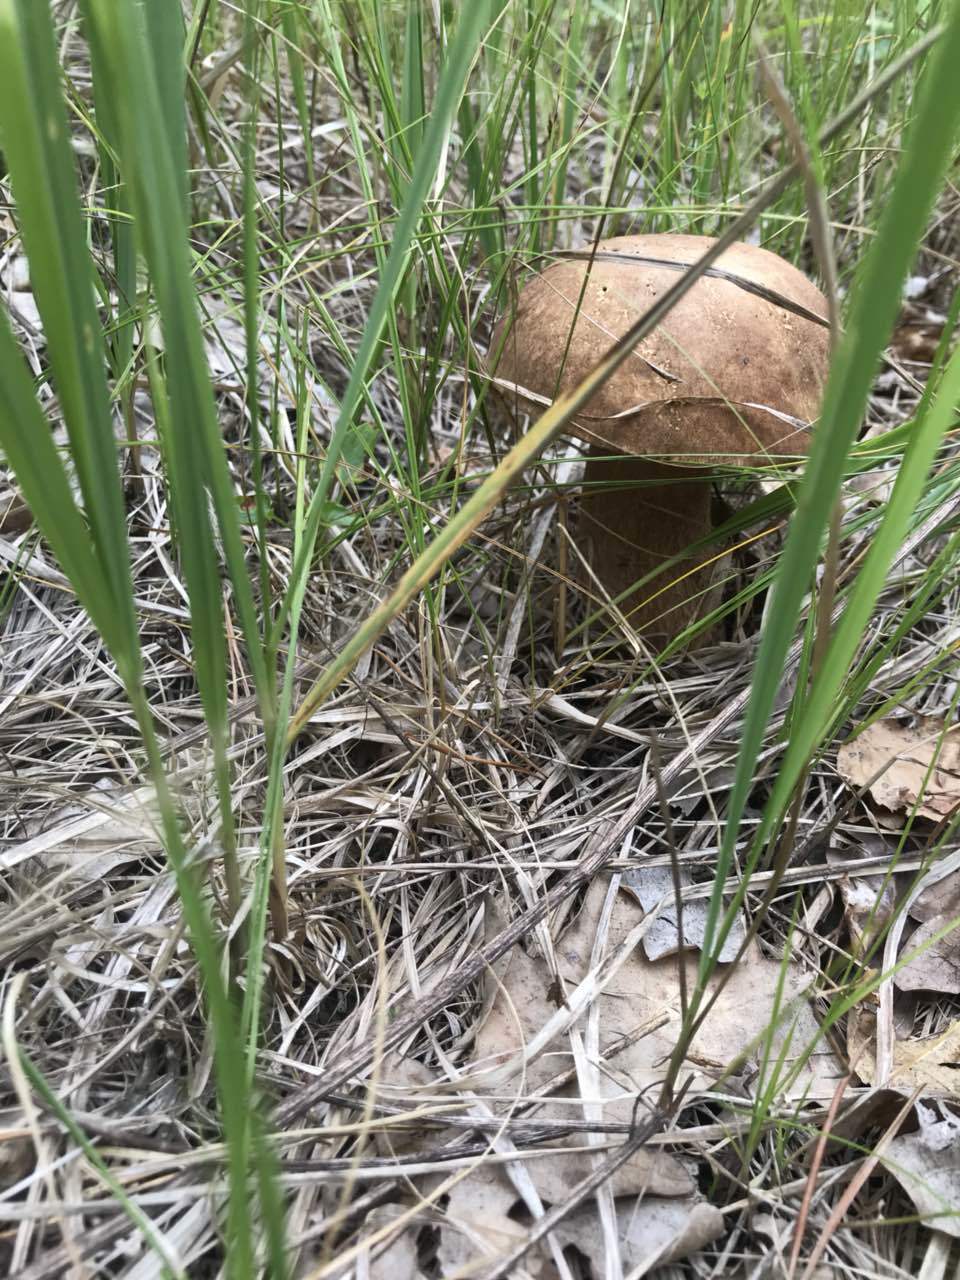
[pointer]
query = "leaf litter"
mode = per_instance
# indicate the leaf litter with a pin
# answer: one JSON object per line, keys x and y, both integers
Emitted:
{"x": 906, "y": 766}
{"x": 661, "y": 1214}
{"x": 111, "y": 1010}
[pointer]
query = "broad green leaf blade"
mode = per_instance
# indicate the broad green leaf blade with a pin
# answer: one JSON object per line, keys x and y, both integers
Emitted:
{"x": 198, "y": 463}
{"x": 28, "y": 446}
{"x": 36, "y": 142}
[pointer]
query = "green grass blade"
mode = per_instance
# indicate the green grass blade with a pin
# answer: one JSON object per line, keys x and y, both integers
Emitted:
{"x": 197, "y": 458}
{"x": 460, "y": 53}
{"x": 412, "y": 101}
{"x": 26, "y": 441}
{"x": 170, "y": 1269}
{"x": 36, "y": 142}
{"x": 816, "y": 713}
{"x": 166, "y": 35}
{"x": 871, "y": 318}
{"x": 121, "y": 229}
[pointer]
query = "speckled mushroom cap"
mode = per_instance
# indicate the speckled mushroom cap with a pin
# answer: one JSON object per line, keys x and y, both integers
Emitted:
{"x": 735, "y": 370}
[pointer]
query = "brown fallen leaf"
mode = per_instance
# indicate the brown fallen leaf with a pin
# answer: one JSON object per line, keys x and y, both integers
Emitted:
{"x": 524, "y": 1002}
{"x": 927, "y": 1166}
{"x": 942, "y": 898}
{"x": 481, "y": 1223}
{"x": 394, "y": 1259}
{"x": 651, "y": 1232}
{"x": 627, "y": 1031}
{"x": 868, "y": 903}
{"x": 917, "y": 335}
{"x": 937, "y": 968}
{"x": 919, "y": 763}
{"x": 925, "y": 1063}
{"x": 477, "y": 1227}
{"x": 640, "y": 1016}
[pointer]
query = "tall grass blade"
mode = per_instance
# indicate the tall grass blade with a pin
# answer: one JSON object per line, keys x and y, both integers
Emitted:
{"x": 872, "y": 313}
{"x": 460, "y": 53}
{"x": 198, "y": 464}
{"x": 36, "y": 142}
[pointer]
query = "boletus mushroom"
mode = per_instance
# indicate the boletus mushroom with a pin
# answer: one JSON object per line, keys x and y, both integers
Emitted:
{"x": 733, "y": 376}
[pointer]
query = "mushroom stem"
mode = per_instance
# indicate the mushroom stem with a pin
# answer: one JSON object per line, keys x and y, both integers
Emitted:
{"x": 637, "y": 514}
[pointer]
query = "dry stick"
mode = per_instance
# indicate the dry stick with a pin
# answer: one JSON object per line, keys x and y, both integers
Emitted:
{"x": 801, "y": 1224}
{"x": 597, "y": 853}
{"x": 848, "y": 1197}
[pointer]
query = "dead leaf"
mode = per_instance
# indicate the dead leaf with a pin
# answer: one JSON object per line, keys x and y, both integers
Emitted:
{"x": 400, "y": 1080}
{"x": 868, "y": 903}
{"x": 640, "y": 1014}
{"x": 477, "y": 1225}
{"x": 918, "y": 333}
{"x": 942, "y": 898}
{"x": 925, "y": 1063}
{"x": 938, "y": 967}
{"x": 398, "y": 1259}
{"x": 652, "y": 1232}
{"x": 660, "y": 1215}
{"x": 903, "y": 756}
{"x": 927, "y": 1166}
{"x": 523, "y": 1004}
{"x": 655, "y": 1172}
{"x": 652, "y": 885}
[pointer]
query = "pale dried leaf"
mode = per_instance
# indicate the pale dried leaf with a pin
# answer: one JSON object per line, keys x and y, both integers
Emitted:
{"x": 640, "y": 1014}
{"x": 652, "y": 1232}
{"x": 524, "y": 1003}
{"x": 398, "y": 1259}
{"x": 476, "y": 1224}
{"x": 868, "y": 903}
{"x": 400, "y": 1080}
{"x": 654, "y": 885}
{"x": 654, "y": 1172}
{"x": 925, "y": 1063}
{"x": 927, "y": 1166}
{"x": 903, "y": 756}
{"x": 937, "y": 968}
{"x": 942, "y": 898}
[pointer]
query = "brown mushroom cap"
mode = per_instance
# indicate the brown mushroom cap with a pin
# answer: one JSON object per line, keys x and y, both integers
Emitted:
{"x": 727, "y": 375}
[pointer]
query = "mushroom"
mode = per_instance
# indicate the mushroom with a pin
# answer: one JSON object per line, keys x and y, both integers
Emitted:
{"x": 733, "y": 376}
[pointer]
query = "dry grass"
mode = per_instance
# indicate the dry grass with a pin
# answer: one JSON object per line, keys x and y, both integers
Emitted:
{"x": 472, "y": 760}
